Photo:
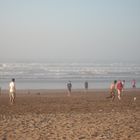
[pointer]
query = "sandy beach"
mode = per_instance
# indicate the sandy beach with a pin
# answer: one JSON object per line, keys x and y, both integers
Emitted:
{"x": 52, "y": 115}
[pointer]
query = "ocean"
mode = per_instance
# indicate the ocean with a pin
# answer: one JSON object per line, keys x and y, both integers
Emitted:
{"x": 55, "y": 75}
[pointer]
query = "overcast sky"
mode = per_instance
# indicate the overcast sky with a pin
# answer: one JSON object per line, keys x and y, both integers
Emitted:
{"x": 94, "y": 30}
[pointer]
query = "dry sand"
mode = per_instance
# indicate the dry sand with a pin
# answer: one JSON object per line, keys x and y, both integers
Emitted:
{"x": 51, "y": 115}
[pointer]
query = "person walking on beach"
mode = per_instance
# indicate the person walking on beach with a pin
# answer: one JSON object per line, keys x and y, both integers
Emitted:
{"x": 86, "y": 86}
{"x": 119, "y": 89}
{"x": 69, "y": 86}
{"x": 112, "y": 90}
{"x": 12, "y": 91}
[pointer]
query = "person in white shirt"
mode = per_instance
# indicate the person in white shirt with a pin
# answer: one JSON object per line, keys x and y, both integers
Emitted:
{"x": 12, "y": 91}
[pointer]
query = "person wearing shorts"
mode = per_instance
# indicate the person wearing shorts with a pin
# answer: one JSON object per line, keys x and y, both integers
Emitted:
{"x": 12, "y": 91}
{"x": 112, "y": 90}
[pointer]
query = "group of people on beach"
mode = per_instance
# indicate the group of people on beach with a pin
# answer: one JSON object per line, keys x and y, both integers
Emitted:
{"x": 69, "y": 87}
{"x": 117, "y": 87}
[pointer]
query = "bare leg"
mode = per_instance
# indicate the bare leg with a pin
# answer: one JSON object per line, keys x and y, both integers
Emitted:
{"x": 10, "y": 99}
{"x": 110, "y": 95}
{"x": 113, "y": 97}
{"x": 119, "y": 94}
{"x": 69, "y": 92}
{"x": 14, "y": 97}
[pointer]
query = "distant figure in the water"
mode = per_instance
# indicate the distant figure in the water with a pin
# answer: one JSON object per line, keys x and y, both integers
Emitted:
{"x": 86, "y": 86}
{"x": 12, "y": 91}
{"x": 69, "y": 86}
{"x": 113, "y": 90}
{"x": 133, "y": 83}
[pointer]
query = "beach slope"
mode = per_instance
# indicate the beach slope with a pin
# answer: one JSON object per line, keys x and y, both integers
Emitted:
{"x": 52, "y": 115}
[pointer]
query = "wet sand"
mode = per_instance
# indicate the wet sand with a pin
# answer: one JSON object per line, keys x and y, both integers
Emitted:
{"x": 52, "y": 115}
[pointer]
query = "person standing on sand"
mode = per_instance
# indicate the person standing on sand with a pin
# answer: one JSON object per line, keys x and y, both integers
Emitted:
{"x": 119, "y": 89}
{"x": 69, "y": 86}
{"x": 12, "y": 91}
{"x": 86, "y": 86}
{"x": 112, "y": 90}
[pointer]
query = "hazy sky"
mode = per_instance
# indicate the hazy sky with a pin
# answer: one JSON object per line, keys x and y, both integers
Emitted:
{"x": 70, "y": 29}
